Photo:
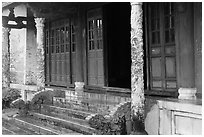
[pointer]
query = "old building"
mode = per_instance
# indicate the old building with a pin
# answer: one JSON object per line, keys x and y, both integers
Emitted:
{"x": 146, "y": 53}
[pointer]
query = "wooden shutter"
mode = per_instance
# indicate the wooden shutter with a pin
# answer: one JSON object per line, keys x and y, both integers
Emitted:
{"x": 162, "y": 52}
{"x": 95, "y": 48}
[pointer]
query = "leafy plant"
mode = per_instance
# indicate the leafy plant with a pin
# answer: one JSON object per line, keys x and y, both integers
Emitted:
{"x": 8, "y": 96}
{"x": 109, "y": 126}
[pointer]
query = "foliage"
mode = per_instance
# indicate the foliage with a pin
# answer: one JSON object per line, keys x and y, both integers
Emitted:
{"x": 42, "y": 97}
{"x": 115, "y": 122}
{"x": 8, "y": 96}
{"x": 110, "y": 126}
{"x": 138, "y": 124}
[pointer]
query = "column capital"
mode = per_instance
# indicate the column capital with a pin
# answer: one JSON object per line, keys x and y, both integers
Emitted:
{"x": 136, "y": 3}
{"x": 39, "y": 22}
{"x": 5, "y": 29}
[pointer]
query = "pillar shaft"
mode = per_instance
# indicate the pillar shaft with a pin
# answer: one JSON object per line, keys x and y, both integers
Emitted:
{"x": 40, "y": 52}
{"x": 137, "y": 82}
{"x": 5, "y": 58}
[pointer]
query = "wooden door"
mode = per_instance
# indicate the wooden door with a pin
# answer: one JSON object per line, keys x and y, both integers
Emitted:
{"x": 162, "y": 48}
{"x": 95, "y": 48}
{"x": 73, "y": 53}
{"x": 60, "y": 53}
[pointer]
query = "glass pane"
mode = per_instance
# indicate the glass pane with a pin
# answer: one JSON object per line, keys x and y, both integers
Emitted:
{"x": 172, "y": 22}
{"x": 73, "y": 38}
{"x": 62, "y": 35}
{"x": 62, "y": 48}
{"x": 172, "y": 8}
{"x": 67, "y": 47}
{"x": 98, "y": 44}
{"x": 153, "y": 24}
{"x": 158, "y": 37}
{"x": 47, "y": 50}
{"x": 72, "y": 27}
{"x": 171, "y": 84}
{"x": 92, "y": 43}
{"x": 89, "y": 45}
{"x": 170, "y": 50}
{"x": 89, "y": 35}
{"x": 166, "y": 8}
{"x": 172, "y": 35}
{"x": 67, "y": 34}
{"x": 167, "y": 22}
{"x": 156, "y": 51}
{"x": 157, "y": 84}
{"x": 167, "y": 36}
{"x": 153, "y": 38}
{"x": 100, "y": 23}
{"x": 92, "y": 34}
{"x": 152, "y": 10}
{"x": 52, "y": 33}
{"x": 170, "y": 67}
{"x": 91, "y": 24}
{"x": 101, "y": 44}
{"x": 156, "y": 67}
{"x": 99, "y": 33}
{"x": 157, "y": 24}
{"x": 73, "y": 47}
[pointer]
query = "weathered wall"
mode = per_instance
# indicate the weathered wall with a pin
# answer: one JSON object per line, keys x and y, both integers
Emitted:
{"x": 151, "y": 116}
{"x": 17, "y": 48}
{"x": 198, "y": 47}
{"x": 165, "y": 116}
{"x": 31, "y": 48}
{"x": 23, "y": 49}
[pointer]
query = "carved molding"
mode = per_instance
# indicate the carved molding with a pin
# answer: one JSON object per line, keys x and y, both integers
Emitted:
{"x": 40, "y": 52}
{"x": 137, "y": 82}
{"x": 39, "y": 22}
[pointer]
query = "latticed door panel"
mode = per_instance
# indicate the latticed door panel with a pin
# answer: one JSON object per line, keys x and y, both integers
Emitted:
{"x": 73, "y": 52}
{"x": 162, "y": 53}
{"x": 60, "y": 53}
{"x": 95, "y": 48}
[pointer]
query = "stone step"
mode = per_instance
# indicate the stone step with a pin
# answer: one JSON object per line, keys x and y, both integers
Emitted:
{"x": 72, "y": 124}
{"x": 65, "y": 113}
{"x": 40, "y": 129}
{"x": 6, "y": 131}
{"x": 11, "y": 127}
{"x": 85, "y": 106}
{"x": 44, "y": 127}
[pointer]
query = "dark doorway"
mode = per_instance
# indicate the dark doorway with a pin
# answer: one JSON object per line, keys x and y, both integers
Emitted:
{"x": 117, "y": 44}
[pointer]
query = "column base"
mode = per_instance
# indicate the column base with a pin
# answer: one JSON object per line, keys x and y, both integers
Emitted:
{"x": 187, "y": 93}
{"x": 79, "y": 86}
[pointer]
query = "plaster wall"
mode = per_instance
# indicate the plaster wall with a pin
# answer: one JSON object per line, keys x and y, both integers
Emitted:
{"x": 23, "y": 49}
{"x": 31, "y": 48}
{"x": 17, "y": 48}
{"x": 167, "y": 116}
{"x": 151, "y": 116}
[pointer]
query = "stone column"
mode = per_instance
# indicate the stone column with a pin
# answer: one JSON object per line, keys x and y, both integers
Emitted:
{"x": 40, "y": 52}
{"x": 5, "y": 58}
{"x": 137, "y": 82}
{"x": 79, "y": 83}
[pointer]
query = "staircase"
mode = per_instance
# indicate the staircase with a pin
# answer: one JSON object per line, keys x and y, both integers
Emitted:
{"x": 66, "y": 115}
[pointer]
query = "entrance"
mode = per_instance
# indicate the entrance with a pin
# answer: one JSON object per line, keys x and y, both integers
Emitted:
{"x": 117, "y": 44}
{"x": 95, "y": 48}
{"x": 60, "y": 53}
